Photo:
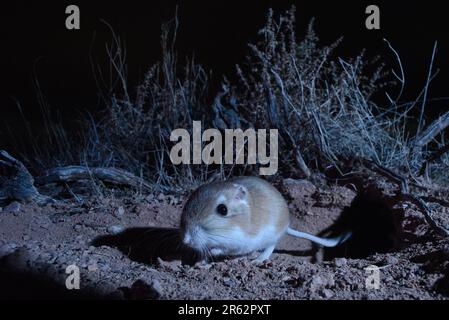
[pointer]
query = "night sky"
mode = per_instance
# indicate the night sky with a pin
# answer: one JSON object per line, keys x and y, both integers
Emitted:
{"x": 35, "y": 42}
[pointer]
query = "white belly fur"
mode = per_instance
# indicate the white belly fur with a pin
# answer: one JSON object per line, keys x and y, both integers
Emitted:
{"x": 244, "y": 243}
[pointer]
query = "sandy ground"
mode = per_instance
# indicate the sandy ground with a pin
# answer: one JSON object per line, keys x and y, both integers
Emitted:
{"x": 128, "y": 248}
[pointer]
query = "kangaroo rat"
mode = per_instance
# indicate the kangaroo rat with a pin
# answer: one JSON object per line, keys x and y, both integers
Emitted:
{"x": 240, "y": 216}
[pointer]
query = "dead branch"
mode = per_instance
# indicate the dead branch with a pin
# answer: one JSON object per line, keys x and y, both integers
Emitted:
{"x": 16, "y": 183}
{"x": 432, "y": 131}
{"x": 422, "y": 205}
{"x": 405, "y": 195}
{"x": 110, "y": 175}
{"x": 396, "y": 178}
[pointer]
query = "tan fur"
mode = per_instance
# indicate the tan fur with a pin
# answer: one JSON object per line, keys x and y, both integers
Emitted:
{"x": 266, "y": 205}
{"x": 265, "y": 202}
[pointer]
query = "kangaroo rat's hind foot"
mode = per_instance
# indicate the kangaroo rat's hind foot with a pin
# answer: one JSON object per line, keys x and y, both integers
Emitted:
{"x": 265, "y": 255}
{"x": 217, "y": 252}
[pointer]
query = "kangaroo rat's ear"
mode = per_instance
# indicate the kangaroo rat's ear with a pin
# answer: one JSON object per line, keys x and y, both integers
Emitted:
{"x": 241, "y": 193}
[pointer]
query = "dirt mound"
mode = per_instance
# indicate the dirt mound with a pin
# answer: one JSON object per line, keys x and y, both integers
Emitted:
{"x": 128, "y": 248}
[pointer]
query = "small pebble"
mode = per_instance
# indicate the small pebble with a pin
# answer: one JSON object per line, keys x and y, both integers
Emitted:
{"x": 340, "y": 262}
{"x": 157, "y": 287}
{"x": 171, "y": 265}
{"x": 390, "y": 260}
{"x": 328, "y": 293}
{"x": 92, "y": 267}
{"x": 120, "y": 211}
{"x": 204, "y": 266}
{"x": 227, "y": 281}
{"x": 115, "y": 229}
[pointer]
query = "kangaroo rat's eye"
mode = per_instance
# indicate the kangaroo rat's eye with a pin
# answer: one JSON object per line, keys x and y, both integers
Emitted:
{"x": 222, "y": 209}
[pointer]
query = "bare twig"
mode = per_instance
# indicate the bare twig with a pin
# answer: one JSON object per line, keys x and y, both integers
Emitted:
{"x": 432, "y": 131}
{"x": 422, "y": 205}
{"x": 397, "y": 178}
{"x": 400, "y": 78}
{"x": 429, "y": 76}
{"x": 406, "y": 195}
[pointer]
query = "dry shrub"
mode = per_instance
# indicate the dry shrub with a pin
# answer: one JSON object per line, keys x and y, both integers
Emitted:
{"x": 323, "y": 102}
{"x": 134, "y": 132}
{"x": 322, "y": 105}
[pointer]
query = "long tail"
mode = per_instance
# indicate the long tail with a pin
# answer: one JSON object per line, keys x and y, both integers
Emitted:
{"x": 326, "y": 242}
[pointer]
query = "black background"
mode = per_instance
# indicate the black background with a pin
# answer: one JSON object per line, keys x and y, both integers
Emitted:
{"x": 35, "y": 42}
{"x": 279, "y": 308}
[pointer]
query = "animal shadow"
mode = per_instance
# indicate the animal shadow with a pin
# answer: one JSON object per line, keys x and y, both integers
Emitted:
{"x": 146, "y": 245}
{"x": 375, "y": 227}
